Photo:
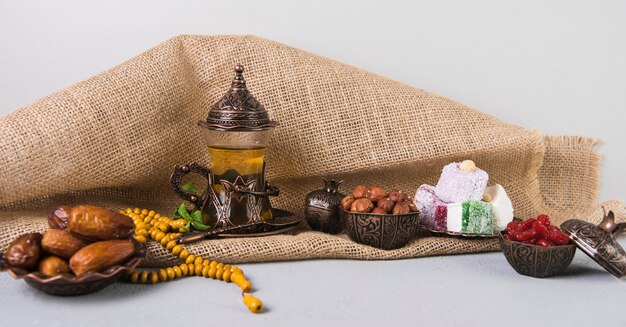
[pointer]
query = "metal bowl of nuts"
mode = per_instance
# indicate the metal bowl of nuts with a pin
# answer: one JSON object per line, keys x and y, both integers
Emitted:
{"x": 381, "y": 219}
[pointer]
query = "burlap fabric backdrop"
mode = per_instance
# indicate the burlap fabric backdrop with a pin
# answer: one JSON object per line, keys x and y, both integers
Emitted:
{"x": 113, "y": 140}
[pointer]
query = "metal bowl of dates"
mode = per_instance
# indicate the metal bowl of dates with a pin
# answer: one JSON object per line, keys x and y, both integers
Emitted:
{"x": 69, "y": 284}
{"x": 383, "y": 231}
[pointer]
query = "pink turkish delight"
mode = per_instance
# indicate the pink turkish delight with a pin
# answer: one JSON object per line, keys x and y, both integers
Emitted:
{"x": 458, "y": 185}
{"x": 426, "y": 201}
{"x": 441, "y": 217}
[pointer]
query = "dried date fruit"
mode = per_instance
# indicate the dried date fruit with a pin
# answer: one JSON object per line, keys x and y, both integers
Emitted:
{"x": 59, "y": 218}
{"x": 346, "y": 202}
{"x": 61, "y": 243}
{"x": 362, "y": 205}
{"x": 95, "y": 223}
{"x": 359, "y": 192}
{"x": 101, "y": 255}
{"x": 24, "y": 252}
{"x": 376, "y": 193}
{"x": 52, "y": 266}
{"x": 386, "y": 204}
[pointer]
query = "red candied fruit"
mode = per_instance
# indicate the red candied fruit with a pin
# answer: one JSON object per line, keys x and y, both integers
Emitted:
{"x": 527, "y": 224}
{"x": 540, "y": 229}
{"x": 544, "y": 219}
{"x": 512, "y": 226}
{"x": 543, "y": 242}
{"x": 558, "y": 238}
{"x": 537, "y": 231}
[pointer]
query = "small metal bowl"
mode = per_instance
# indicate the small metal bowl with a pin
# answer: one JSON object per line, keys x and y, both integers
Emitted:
{"x": 68, "y": 284}
{"x": 385, "y": 232}
{"x": 537, "y": 261}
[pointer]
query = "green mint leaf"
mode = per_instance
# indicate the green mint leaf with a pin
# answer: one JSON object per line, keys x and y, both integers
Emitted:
{"x": 197, "y": 216}
{"x": 190, "y": 187}
{"x": 199, "y": 226}
{"x": 182, "y": 211}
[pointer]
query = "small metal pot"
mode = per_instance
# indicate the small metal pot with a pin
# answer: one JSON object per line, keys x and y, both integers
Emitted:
{"x": 321, "y": 208}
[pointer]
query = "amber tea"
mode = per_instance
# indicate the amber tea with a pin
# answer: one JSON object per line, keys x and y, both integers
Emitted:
{"x": 227, "y": 164}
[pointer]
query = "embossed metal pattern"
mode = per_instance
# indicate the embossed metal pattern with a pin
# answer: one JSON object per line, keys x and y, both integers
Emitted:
{"x": 239, "y": 188}
{"x": 323, "y": 220}
{"x": 321, "y": 208}
{"x": 238, "y": 109}
{"x": 598, "y": 244}
{"x": 537, "y": 261}
{"x": 380, "y": 231}
{"x": 69, "y": 285}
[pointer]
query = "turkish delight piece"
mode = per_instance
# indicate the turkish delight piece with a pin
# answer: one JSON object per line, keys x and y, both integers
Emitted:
{"x": 425, "y": 200}
{"x": 441, "y": 217}
{"x": 502, "y": 206}
{"x": 477, "y": 217}
{"x": 460, "y": 182}
{"x": 454, "y": 217}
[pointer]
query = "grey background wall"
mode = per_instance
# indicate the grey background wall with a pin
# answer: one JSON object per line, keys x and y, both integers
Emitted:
{"x": 559, "y": 66}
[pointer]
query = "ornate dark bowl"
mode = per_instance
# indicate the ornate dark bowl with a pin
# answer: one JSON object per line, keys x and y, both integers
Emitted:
{"x": 68, "y": 284}
{"x": 380, "y": 231}
{"x": 537, "y": 261}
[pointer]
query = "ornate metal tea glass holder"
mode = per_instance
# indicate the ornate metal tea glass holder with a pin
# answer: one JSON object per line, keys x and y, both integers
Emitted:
{"x": 238, "y": 190}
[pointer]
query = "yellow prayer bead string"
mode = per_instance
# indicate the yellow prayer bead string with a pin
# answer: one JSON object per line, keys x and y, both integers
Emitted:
{"x": 149, "y": 224}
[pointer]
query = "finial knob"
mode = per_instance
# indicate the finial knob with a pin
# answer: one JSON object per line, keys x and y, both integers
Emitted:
{"x": 238, "y": 69}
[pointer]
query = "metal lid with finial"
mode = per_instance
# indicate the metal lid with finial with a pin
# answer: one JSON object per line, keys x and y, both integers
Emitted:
{"x": 238, "y": 109}
{"x": 598, "y": 241}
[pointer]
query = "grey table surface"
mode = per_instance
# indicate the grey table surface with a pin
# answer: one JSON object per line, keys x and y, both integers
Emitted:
{"x": 463, "y": 290}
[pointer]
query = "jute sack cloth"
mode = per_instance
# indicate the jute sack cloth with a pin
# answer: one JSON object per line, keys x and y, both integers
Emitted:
{"x": 114, "y": 139}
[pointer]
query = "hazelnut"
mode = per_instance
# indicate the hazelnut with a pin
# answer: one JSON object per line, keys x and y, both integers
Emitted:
{"x": 346, "y": 202}
{"x": 487, "y": 197}
{"x": 393, "y": 195}
{"x": 376, "y": 193}
{"x": 379, "y": 211}
{"x": 362, "y": 205}
{"x": 401, "y": 208}
{"x": 386, "y": 204}
{"x": 359, "y": 192}
{"x": 468, "y": 166}
{"x": 403, "y": 197}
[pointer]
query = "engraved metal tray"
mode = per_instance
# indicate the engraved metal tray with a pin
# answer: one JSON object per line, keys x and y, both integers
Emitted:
{"x": 459, "y": 234}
